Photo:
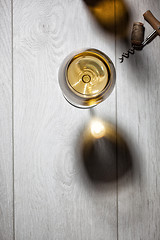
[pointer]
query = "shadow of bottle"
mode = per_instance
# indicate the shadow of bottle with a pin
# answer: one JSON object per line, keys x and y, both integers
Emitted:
{"x": 112, "y": 15}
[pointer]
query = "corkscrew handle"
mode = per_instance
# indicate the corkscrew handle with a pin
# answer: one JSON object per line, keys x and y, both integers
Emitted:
{"x": 149, "y": 17}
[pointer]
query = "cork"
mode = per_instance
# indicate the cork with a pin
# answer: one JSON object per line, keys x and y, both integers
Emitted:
{"x": 137, "y": 36}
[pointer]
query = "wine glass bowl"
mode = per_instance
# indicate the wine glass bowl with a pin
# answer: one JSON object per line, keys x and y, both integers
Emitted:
{"x": 87, "y": 78}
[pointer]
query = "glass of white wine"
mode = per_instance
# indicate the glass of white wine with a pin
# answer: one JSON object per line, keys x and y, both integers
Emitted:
{"x": 87, "y": 77}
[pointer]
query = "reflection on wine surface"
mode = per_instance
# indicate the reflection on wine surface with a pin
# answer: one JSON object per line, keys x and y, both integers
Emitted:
{"x": 87, "y": 78}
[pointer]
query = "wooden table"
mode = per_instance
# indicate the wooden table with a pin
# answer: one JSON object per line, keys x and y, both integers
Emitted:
{"x": 44, "y": 195}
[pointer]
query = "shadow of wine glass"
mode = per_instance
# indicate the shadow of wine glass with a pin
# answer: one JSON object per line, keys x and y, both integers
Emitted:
{"x": 107, "y": 158}
{"x": 100, "y": 160}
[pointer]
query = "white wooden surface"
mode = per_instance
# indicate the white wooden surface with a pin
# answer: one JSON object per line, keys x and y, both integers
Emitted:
{"x": 48, "y": 195}
{"x": 53, "y": 198}
{"x": 138, "y": 99}
{"x": 6, "y": 164}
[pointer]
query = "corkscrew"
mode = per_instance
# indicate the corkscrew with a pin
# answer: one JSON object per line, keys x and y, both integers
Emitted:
{"x": 137, "y": 36}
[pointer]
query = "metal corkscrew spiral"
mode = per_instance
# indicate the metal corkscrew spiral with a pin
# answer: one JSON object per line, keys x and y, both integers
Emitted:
{"x": 126, "y": 55}
{"x": 137, "y": 36}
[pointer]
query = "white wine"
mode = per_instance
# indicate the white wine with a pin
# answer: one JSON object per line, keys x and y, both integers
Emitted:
{"x": 89, "y": 77}
{"x": 88, "y": 74}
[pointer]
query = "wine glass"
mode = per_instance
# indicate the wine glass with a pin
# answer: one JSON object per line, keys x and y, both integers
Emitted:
{"x": 87, "y": 77}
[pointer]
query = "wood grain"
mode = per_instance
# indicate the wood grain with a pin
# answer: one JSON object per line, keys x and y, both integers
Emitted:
{"x": 138, "y": 99}
{"x": 54, "y": 198}
{"x": 6, "y": 166}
